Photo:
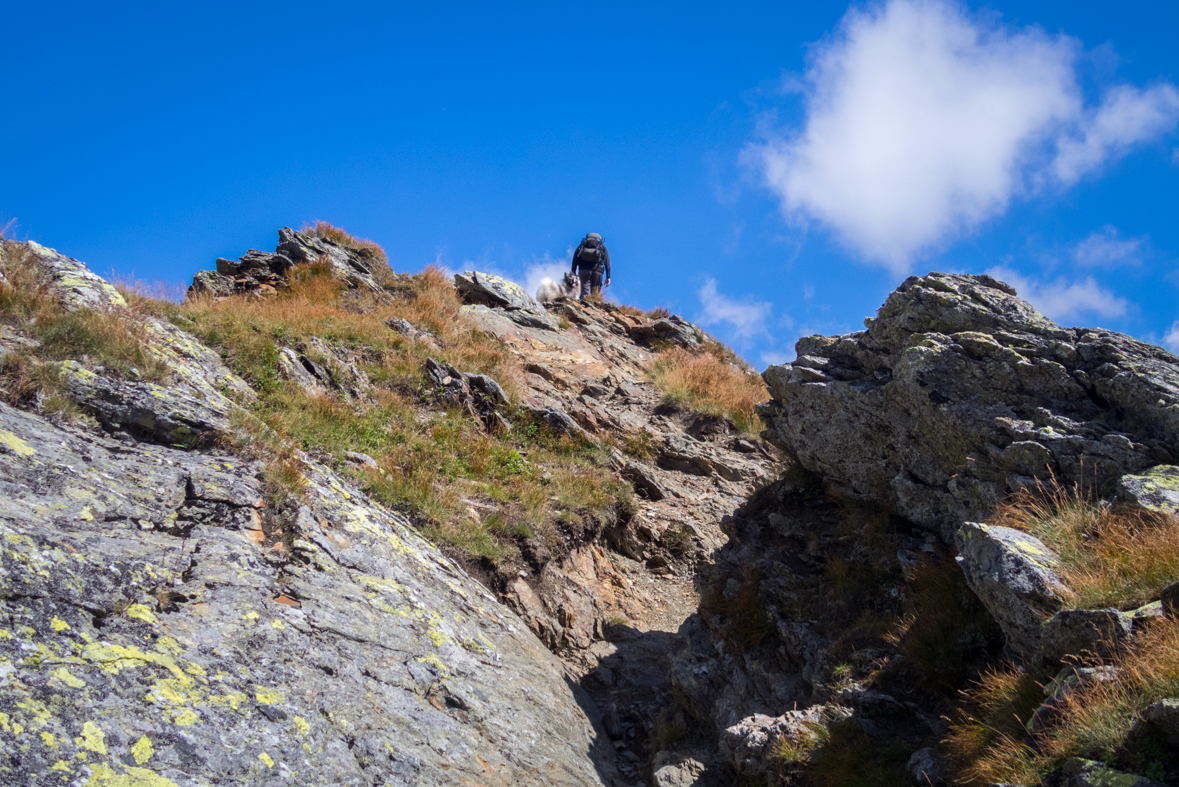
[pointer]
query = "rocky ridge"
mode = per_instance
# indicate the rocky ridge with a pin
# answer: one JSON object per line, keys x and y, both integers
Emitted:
{"x": 290, "y": 632}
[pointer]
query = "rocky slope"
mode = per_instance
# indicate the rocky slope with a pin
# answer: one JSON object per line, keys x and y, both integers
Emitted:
{"x": 161, "y": 627}
{"x": 169, "y": 620}
{"x": 173, "y": 616}
{"x": 857, "y": 595}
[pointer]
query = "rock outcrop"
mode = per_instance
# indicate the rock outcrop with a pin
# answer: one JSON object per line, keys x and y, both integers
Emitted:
{"x": 162, "y": 622}
{"x": 959, "y": 392}
{"x": 263, "y": 273}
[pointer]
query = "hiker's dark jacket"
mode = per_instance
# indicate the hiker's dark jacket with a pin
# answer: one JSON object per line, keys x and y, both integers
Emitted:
{"x": 603, "y": 255}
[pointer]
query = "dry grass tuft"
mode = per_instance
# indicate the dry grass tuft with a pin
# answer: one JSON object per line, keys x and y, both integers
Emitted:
{"x": 986, "y": 740}
{"x": 382, "y": 271}
{"x": 1093, "y": 721}
{"x": 115, "y": 339}
{"x": 1110, "y": 556}
{"x": 704, "y": 382}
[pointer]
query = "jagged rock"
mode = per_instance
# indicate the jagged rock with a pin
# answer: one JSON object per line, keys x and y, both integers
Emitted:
{"x": 182, "y": 645}
{"x": 255, "y": 271}
{"x": 211, "y": 283}
{"x": 1079, "y": 772}
{"x": 749, "y": 744}
{"x": 1155, "y": 490}
{"x": 674, "y": 330}
{"x": 1014, "y": 574}
{"x": 644, "y": 480}
{"x": 484, "y": 289}
{"x": 412, "y": 332}
{"x": 673, "y": 771}
{"x": 264, "y": 273}
{"x": 352, "y": 266}
{"x": 559, "y": 421}
{"x": 1085, "y": 634}
{"x": 302, "y": 371}
{"x": 959, "y": 393}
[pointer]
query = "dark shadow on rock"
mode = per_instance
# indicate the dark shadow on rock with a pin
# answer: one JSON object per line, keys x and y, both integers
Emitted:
{"x": 600, "y": 751}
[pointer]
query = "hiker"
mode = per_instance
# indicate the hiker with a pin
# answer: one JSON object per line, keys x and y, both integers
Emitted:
{"x": 590, "y": 262}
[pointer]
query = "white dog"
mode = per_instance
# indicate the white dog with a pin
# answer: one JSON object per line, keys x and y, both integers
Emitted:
{"x": 549, "y": 290}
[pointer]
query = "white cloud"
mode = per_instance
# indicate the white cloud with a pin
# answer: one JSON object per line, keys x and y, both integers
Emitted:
{"x": 922, "y": 122}
{"x": 1062, "y": 300}
{"x": 1127, "y": 116}
{"x": 747, "y": 318}
{"x": 1105, "y": 249}
{"x": 1171, "y": 339}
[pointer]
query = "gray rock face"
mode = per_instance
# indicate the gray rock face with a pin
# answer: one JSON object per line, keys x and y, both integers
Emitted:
{"x": 75, "y": 284}
{"x": 1014, "y": 574}
{"x": 1155, "y": 490}
{"x": 1085, "y": 633}
{"x": 1162, "y": 720}
{"x": 154, "y": 620}
{"x": 959, "y": 393}
{"x": 483, "y": 289}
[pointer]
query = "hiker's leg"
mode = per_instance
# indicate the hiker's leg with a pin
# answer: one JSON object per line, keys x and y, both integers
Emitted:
{"x": 586, "y": 278}
{"x": 596, "y": 282}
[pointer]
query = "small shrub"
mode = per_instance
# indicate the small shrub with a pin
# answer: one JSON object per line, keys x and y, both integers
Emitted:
{"x": 630, "y": 311}
{"x": 640, "y": 444}
{"x": 704, "y": 383}
{"x": 794, "y": 751}
{"x": 659, "y": 313}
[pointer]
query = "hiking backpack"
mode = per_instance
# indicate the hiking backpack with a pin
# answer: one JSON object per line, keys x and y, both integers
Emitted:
{"x": 590, "y": 255}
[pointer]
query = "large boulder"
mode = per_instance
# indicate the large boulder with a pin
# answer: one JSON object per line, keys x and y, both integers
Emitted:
{"x": 1014, "y": 575}
{"x": 486, "y": 290}
{"x": 959, "y": 392}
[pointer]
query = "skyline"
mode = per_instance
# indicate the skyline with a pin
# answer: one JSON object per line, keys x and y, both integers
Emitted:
{"x": 767, "y": 172}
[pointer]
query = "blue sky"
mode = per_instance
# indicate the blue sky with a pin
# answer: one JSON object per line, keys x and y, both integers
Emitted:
{"x": 769, "y": 171}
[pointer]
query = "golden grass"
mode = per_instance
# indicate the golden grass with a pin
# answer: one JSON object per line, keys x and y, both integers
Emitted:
{"x": 115, "y": 339}
{"x": 985, "y": 741}
{"x": 1093, "y": 721}
{"x": 382, "y": 271}
{"x": 431, "y": 461}
{"x": 706, "y": 383}
{"x": 1110, "y": 556}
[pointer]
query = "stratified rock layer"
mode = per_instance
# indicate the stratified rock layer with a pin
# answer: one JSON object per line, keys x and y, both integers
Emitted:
{"x": 959, "y": 393}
